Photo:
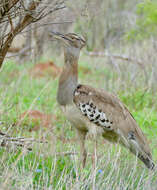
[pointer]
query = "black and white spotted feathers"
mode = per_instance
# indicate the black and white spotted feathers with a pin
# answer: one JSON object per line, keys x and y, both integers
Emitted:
{"x": 95, "y": 115}
{"x": 89, "y": 108}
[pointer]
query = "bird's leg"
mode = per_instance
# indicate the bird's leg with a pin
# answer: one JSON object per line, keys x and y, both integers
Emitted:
{"x": 93, "y": 135}
{"x": 94, "y": 162}
{"x": 94, "y": 155}
{"x": 81, "y": 137}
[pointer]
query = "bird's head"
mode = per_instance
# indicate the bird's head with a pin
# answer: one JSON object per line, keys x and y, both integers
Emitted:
{"x": 70, "y": 39}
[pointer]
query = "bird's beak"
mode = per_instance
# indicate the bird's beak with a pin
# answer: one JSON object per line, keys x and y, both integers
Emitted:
{"x": 59, "y": 36}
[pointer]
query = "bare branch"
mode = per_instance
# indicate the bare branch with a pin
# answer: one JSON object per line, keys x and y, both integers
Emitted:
{"x": 51, "y": 11}
{"x": 17, "y": 51}
{"x": 6, "y": 6}
{"x": 8, "y": 141}
{"x": 26, "y": 21}
{"x": 116, "y": 56}
{"x": 27, "y": 14}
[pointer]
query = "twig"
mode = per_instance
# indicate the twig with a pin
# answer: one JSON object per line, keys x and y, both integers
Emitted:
{"x": 33, "y": 13}
{"x": 22, "y": 51}
{"x": 7, "y": 141}
{"x": 75, "y": 153}
{"x": 66, "y": 153}
{"x": 6, "y": 8}
{"x": 116, "y": 56}
{"x": 69, "y": 153}
{"x": 45, "y": 24}
{"x": 25, "y": 22}
{"x": 11, "y": 23}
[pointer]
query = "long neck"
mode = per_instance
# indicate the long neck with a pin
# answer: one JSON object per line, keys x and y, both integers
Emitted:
{"x": 68, "y": 80}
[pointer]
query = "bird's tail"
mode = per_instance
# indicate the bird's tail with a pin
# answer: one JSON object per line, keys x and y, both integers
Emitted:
{"x": 147, "y": 161}
{"x": 134, "y": 139}
{"x": 144, "y": 156}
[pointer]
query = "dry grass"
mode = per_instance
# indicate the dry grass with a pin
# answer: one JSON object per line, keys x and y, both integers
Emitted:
{"x": 55, "y": 165}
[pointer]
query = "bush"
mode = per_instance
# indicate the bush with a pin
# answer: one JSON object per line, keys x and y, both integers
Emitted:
{"x": 146, "y": 24}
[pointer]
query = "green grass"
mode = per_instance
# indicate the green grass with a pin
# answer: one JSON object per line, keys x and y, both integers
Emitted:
{"x": 47, "y": 167}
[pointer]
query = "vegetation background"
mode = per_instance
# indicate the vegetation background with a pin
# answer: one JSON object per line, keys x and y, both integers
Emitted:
{"x": 120, "y": 57}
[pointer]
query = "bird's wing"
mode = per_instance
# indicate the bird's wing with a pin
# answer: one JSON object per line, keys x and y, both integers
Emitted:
{"x": 107, "y": 111}
{"x": 100, "y": 107}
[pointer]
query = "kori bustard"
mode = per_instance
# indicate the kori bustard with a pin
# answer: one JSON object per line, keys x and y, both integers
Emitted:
{"x": 95, "y": 111}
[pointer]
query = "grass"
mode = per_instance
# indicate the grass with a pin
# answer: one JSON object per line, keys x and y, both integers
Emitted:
{"x": 47, "y": 166}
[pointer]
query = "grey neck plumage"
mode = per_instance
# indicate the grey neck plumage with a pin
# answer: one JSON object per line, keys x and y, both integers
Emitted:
{"x": 68, "y": 80}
